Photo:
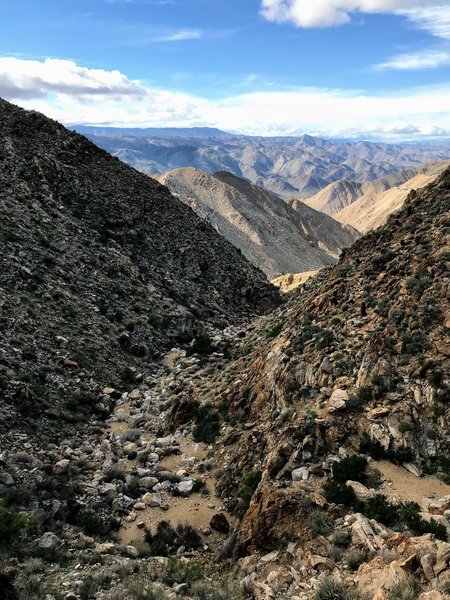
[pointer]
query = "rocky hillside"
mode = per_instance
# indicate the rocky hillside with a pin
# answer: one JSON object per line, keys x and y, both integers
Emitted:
{"x": 297, "y": 167}
{"x": 268, "y": 232}
{"x": 101, "y": 271}
{"x": 355, "y": 367}
{"x": 340, "y": 194}
{"x": 372, "y": 209}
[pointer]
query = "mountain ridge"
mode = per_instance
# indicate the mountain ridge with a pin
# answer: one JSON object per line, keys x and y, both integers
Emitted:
{"x": 270, "y": 234}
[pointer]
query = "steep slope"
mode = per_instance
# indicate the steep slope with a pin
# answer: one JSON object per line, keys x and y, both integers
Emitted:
{"x": 298, "y": 167}
{"x": 101, "y": 270}
{"x": 358, "y": 361}
{"x": 373, "y": 208}
{"x": 340, "y": 194}
{"x": 335, "y": 196}
{"x": 268, "y": 232}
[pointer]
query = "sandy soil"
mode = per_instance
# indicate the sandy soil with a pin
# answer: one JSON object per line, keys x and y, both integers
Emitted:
{"x": 406, "y": 486}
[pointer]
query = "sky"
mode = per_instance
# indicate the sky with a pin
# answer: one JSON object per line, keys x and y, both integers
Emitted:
{"x": 371, "y": 69}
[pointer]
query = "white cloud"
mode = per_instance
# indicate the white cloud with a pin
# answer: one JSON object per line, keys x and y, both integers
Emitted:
{"x": 421, "y": 60}
{"x": 435, "y": 18}
{"x": 433, "y": 15}
{"x": 33, "y": 78}
{"x": 177, "y": 36}
{"x": 73, "y": 94}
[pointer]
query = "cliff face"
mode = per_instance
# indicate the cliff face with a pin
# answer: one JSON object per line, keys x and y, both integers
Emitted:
{"x": 101, "y": 269}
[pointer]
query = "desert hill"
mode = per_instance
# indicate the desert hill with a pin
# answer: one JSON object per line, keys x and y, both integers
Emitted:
{"x": 268, "y": 232}
{"x": 371, "y": 210}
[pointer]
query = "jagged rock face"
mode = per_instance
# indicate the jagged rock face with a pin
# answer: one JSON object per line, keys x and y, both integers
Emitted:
{"x": 270, "y": 234}
{"x": 101, "y": 268}
{"x": 360, "y": 354}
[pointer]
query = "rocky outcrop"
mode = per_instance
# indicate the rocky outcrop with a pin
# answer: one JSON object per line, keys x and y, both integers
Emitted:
{"x": 356, "y": 362}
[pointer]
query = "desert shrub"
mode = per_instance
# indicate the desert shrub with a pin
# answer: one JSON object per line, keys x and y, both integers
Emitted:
{"x": 403, "y": 516}
{"x": 167, "y": 539}
{"x": 404, "y": 427}
{"x": 331, "y": 589}
{"x": 351, "y": 468}
{"x": 414, "y": 343}
{"x": 188, "y": 537}
{"x": 12, "y": 523}
{"x": 274, "y": 330}
{"x": 355, "y": 557}
{"x": 200, "y": 487}
{"x": 249, "y": 484}
{"x": 340, "y": 493}
{"x": 132, "y": 435}
{"x": 202, "y": 344}
{"x": 93, "y": 524}
{"x": 180, "y": 571}
{"x": 405, "y": 589}
{"x": 319, "y": 523}
{"x": 220, "y": 591}
{"x": 142, "y": 588}
{"x": 418, "y": 285}
{"x": 114, "y": 472}
{"x": 365, "y": 393}
{"x": 380, "y": 509}
{"x": 372, "y": 447}
{"x": 207, "y": 424}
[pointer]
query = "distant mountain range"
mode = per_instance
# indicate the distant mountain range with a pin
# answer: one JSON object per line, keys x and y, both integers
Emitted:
{"x": 297, "y": 167}
{"x": 269, "y": 232}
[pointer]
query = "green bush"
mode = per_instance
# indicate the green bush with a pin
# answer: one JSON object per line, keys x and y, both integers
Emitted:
{"x": 202, "y": 344}
{"x": 330, "y": 589}
{"x": 12, "y": 523}
{"x": 340, "y": 493}
{"x": 355, "y": 557}
{"x": 142, "y": 588}
{"x": 220, "y": 591}
{"x": 405, "y": 589}
{"x": 352, "y": 468}
{"x": 274, "y": 330}
{"x": 319, "y": 523}
{"x": 249, "y": 484}
{"x": 168, "y": 540}
{"x": 179, "y": 571}
{"x": 207, "y": 424}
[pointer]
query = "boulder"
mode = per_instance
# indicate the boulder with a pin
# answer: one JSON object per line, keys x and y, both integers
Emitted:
{"x": 49, "y": 541}
{"x": 338, "y": 400}
{"x": 219, "y": 522}
{"x": 362, "y": 492}
{"x": 184, "y": 488}
{"x": 301, "y": 474}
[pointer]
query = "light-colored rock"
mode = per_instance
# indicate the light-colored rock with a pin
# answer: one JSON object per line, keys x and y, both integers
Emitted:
{"x": 184, "y": 488}
{"x": 49, "y": 541}
{"x": 361, "y": 491}
{"x": 338, "y": 400}
{"x": 301, "y": 474}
